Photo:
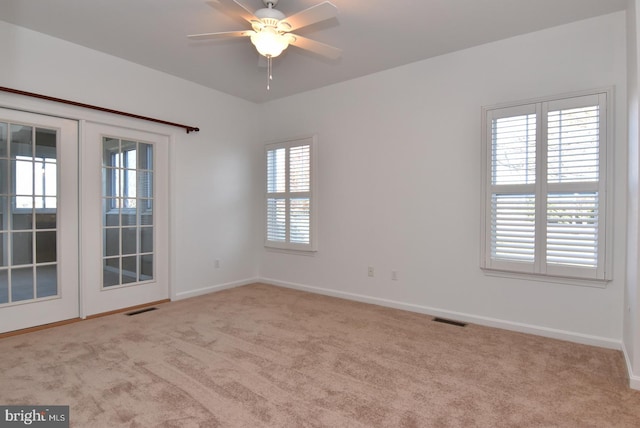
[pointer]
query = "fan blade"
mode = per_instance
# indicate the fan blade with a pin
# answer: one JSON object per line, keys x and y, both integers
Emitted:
{"x": 316, "y": 47}
{"x": 232, "y": 7}
{"x": 220, "y": 35}
{"x": 317, "y": 13}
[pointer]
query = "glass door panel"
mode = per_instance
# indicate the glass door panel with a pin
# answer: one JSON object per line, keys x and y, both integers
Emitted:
{"x": 28, "y": 233}
{"x": 38, "y": 284}
{"x": 127, "y": 202}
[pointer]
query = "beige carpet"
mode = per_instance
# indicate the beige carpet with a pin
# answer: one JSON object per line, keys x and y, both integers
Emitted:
{"x": 262, "y": 356}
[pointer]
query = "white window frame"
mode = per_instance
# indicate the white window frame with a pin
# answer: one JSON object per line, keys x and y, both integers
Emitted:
{"x": 312, "y": 246}
{"x": 540, "y": 269}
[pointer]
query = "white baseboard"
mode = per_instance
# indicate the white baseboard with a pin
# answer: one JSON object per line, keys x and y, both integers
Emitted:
{"x": 570, "y": 336}
{"x": 213, "y": 288}
{"x": 634, "y": 381}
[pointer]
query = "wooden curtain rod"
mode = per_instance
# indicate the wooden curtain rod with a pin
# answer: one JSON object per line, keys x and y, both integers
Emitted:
{"x": 92, "y": 107}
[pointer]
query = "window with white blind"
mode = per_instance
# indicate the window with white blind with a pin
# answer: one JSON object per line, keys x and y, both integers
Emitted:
{"x": 545, "y": 187}
{"x": 289, "y": 197}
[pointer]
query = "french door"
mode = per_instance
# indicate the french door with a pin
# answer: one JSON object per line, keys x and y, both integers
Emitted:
{"x": 83, "y": 231}
{"x": 38, "y": 219}
{"x": 124, "y": 255}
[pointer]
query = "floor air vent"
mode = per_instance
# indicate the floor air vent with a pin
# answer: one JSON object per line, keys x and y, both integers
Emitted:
{"x": 141, "y": 311}
{"x": 452, "y": 322}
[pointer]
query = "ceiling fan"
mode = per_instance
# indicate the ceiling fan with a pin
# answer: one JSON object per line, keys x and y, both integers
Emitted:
{"x": 271, "y": 29}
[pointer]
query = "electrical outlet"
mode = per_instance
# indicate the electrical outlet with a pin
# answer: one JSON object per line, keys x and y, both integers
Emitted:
{"x": 394, "y": 275}
{"x": 370, "y": 271}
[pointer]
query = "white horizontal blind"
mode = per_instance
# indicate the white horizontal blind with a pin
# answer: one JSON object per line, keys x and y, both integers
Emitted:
{"x": 300, "y": 215}
{"x": 300, "y": 168}
{"x": 276, "y": 171}
{"x": 513, "y": 227}
{"x": 300, "y": 182}
{"x": 544, "y": 187}
{"x": 513, "y": 159}
{"x": 289, "y": 195}
{"x": 572, "y": 229}
{"x": 276, "y": 188}
{"x": 573, "y": 145}
{"x": 276, "y": 219}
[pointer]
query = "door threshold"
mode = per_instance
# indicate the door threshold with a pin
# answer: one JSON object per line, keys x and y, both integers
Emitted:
{"x": 74, "y": 320}
{"x": 38, "y": 328}
{"x": 127, "y": 309}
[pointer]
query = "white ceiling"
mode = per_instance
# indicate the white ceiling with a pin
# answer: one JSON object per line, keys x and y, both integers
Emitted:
{"x": 374, "y": 34}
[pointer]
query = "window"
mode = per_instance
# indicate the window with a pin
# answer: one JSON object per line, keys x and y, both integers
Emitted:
{"x": 544, "y": 186}
{"x": 122, "y": 176}
{"x": 289, "y": 199}
{"x": 35, "y": 177}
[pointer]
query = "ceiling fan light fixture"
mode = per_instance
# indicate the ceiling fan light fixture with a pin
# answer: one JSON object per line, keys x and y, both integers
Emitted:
{"x": 269, "y": 42}
{"x": 270, "y": 32}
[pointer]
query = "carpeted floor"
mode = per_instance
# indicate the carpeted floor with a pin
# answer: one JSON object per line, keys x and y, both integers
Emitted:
{"x": 263, "y": 356}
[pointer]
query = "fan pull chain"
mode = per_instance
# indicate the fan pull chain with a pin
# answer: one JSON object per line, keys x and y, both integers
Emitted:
{"x": 269, "y": 71}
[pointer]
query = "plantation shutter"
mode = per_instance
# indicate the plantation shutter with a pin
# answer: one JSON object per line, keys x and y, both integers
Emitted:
{"x": 573, "y": 173}
{"x": 276, "y": 201}
{"x": 299, "y": 187}
{"x": 544, "y": 207}
{"x": 513, "y": 177}
{"x": 289, "y": 195}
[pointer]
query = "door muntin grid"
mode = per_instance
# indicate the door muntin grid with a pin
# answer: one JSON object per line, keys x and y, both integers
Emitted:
{"x": 28, "y": 213}
{"x": 127, "y": 211}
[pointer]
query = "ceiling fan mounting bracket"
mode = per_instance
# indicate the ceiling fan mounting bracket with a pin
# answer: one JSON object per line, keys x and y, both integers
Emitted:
{"x": 269, "y": 13}
{"x": 270, "y": 3}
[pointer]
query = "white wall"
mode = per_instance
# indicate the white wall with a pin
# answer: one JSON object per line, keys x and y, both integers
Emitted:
{"x": 631, "y": 331}
{"x": 213, "y": 183}
{"x": 399, "y": 182}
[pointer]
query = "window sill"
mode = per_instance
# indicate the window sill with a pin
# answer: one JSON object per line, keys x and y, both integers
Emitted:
{"x": 308, "y": 253}
{"x": 594, "y": 283}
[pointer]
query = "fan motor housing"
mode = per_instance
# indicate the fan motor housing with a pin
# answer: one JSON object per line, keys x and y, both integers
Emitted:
{"x": 269, "y": 13}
